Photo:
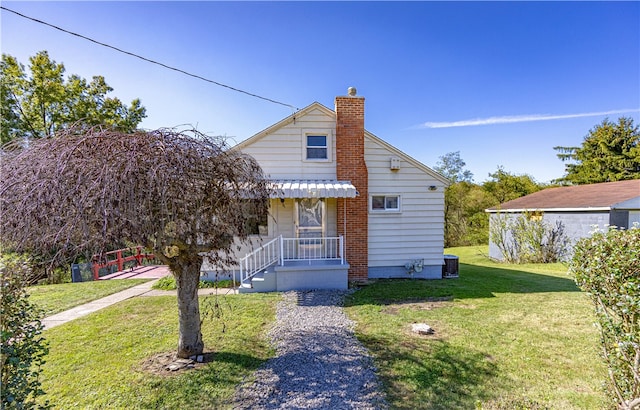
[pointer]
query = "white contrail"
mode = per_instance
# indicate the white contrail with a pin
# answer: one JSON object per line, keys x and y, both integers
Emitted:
{"x": 520, "y": 118}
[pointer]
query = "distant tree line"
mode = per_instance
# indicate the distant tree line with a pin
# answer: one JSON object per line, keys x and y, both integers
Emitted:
{"x": 467, "y": 223}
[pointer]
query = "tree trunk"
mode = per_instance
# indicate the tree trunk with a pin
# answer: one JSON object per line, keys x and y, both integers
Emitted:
{"x": 187, "y": 274}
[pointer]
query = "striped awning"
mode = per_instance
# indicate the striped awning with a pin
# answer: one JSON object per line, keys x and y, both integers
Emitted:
{"x": 303, "y": 188}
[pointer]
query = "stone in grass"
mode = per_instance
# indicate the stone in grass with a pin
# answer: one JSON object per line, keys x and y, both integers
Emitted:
{"x": 422, "y": 329}
{"x": 179, "y": 364}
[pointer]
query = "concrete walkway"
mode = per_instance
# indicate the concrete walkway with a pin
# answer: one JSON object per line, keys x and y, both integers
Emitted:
{"x": 143, "y": 289}
{"x": 140, "y": 272}
{"x": 83, "y": 310}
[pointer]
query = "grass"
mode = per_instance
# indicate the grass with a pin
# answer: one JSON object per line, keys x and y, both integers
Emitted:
{"x": 507, "y": 337}
{"x": 96, "y": 362}
{"x": 57, "y": 298}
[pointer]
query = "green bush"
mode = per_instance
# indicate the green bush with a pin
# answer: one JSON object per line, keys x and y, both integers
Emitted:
{"x": 169, "y": 283}
{"x": 607, "y": 267}
{"x": 527, "y": 238}
{"x": 23, "y": 348}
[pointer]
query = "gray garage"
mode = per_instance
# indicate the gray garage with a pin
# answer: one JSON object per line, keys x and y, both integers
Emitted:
{"x": 580, "y": 208}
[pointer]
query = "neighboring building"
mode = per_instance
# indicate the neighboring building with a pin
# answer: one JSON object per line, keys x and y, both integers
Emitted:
{"x": 347, "y": 205}
{"x": 580, "y": 208}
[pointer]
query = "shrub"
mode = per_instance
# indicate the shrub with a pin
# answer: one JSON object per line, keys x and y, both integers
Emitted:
{"x": 527, "y": 238}
{"x": 169, "y": 283}
{"x": 23, "y": 348}
{"x": 166, "y": 283}
{"x": 607, "y": 267}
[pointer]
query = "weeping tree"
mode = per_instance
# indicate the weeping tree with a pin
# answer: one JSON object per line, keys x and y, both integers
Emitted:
{"x": 182, "y": 194}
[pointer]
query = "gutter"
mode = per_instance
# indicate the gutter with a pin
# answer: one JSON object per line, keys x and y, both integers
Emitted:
{"x": 520, "y": 210}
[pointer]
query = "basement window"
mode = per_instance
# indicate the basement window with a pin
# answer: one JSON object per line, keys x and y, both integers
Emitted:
{"x": 385, "y": 203}
{"x": 317, "y": 147}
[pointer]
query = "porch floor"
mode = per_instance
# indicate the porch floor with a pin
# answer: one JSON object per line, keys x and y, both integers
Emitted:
{"x": 313, "y": 262}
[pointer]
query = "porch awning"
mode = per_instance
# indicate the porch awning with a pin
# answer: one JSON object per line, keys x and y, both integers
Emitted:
{"x": 304, "y": 188}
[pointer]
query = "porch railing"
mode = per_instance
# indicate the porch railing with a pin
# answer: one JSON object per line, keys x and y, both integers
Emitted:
{"x": 260, "y": 258}
{"x": 310, "y": 249}
{"x": 279, "y": 250}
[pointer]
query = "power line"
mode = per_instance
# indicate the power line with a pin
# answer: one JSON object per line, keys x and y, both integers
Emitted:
{"x": 149, "y": 60}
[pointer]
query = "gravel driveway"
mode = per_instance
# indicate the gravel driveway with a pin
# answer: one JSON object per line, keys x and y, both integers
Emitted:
{"x": 319, "y": 363}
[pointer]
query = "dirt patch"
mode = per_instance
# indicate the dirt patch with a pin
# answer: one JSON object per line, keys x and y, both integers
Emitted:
{"x": 392, "y": 307}
{"x": 168, "y": 364}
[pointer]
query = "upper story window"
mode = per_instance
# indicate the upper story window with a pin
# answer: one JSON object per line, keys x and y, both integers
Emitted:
{"x": 317, "y": 147}
{"x": 385, "y": 203}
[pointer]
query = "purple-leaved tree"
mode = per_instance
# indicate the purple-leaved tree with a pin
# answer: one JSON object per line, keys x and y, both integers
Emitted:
{"x": 182, "y": 194}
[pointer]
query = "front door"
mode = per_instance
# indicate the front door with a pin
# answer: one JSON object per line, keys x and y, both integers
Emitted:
{"x": 310, "y": 226}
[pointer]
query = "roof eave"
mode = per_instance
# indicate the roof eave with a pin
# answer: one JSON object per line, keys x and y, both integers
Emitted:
{"x": 287, "y": 120}
{"x": 520, "y": 210}
{"x": 409, "y": 158}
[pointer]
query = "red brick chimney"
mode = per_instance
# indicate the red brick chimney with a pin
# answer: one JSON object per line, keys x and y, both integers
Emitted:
{"x": 350, "y": 166}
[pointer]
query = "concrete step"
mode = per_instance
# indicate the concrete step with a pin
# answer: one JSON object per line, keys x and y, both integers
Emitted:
{"x": 264, "y": 281}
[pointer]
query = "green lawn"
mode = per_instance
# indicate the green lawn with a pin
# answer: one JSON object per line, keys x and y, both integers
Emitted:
{"x": 96, "y": 362}
{"x": 57, "y": 298}
{"x": 507, "y": 337}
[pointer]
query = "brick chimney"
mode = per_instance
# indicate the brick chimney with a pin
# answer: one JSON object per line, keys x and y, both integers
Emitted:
{"x": 353, "y": 213}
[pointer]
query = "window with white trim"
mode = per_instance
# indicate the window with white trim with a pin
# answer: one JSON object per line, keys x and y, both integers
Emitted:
{"x": 385, "y": 203}
{"x": 317, "y": 147}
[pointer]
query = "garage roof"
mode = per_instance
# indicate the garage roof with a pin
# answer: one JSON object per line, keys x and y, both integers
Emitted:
{"x": 588, "y": 197}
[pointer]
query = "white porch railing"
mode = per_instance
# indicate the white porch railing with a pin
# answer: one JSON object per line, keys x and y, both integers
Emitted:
{"x": 310, "y": 249}
{"x": 279, "y": 250}
{"x": 260, "y": 258}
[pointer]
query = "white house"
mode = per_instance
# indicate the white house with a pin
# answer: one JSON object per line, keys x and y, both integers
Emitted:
{"x": 347, "y": 205}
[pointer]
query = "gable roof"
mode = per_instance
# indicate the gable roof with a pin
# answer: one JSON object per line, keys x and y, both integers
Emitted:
{"x": 603, "y": 196}
{"x": 317, "y": 106}
{"x": 286, "y": 121}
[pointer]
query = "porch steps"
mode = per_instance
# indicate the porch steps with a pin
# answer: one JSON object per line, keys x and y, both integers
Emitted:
{"x": 284, "y": 264}
{"x": 264, "y": 281}
{"x": 298, "y": 276}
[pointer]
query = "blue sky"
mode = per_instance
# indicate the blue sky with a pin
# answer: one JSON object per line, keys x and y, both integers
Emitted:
{"x": 501, "y": 82}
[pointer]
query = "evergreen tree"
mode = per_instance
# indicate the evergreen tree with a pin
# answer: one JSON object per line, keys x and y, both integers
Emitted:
{"x": 610, "y": 152}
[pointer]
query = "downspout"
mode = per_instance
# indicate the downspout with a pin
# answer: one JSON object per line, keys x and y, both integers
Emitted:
{"x": 344, "y": 227}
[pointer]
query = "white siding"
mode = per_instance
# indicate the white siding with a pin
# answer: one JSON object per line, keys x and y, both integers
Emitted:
{"x": 282, "y": 220}
{"x": 416, "y": 232}
{"x": 332, "y": 217}
{"x": 241, "y": 249}
{"x": 281, "y": 153}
